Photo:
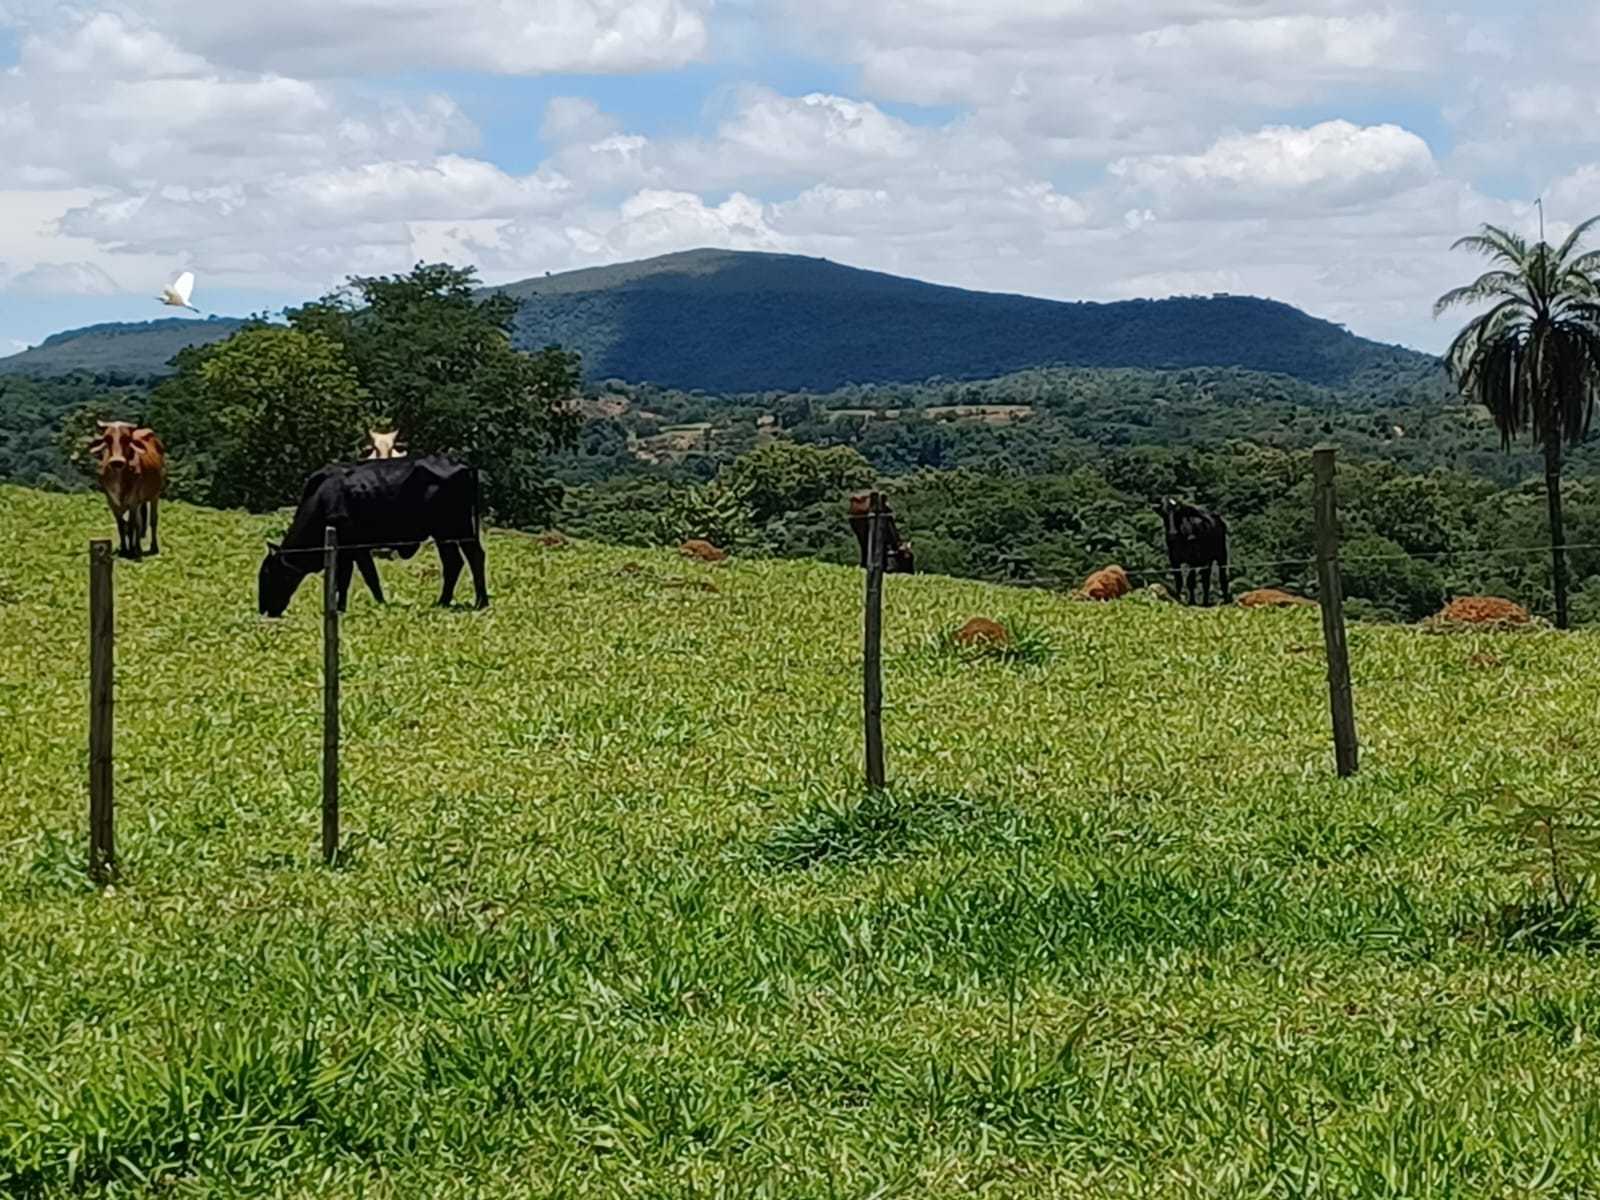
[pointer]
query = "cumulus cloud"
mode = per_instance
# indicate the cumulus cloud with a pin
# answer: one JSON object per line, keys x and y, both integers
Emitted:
{"x": 569, "y": 119}
{"x": 316, "y": 38}
{"x": 1089, "y": 149}
{"x": 1103, "y": 71}
{"x": 1330, "y": 165}
{"x": 107, "y": 105}
{"x": 63, "y": 279}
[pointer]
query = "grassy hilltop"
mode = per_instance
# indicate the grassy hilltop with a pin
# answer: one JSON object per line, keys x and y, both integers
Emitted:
{"x": 616, "y": 919}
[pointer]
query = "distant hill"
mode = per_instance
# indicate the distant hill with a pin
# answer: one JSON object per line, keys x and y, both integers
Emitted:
{"x": 724, "y": 321}
{"x": 129, "y": 350}
{"x": 728, "y": 321}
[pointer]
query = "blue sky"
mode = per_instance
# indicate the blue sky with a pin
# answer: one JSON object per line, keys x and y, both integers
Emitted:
{"x": 1323, "y": 152}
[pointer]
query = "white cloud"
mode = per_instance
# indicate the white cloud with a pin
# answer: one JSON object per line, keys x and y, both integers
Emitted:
{"x": 1095, "y": 150}
{"x": 346, "y": 38}
{"x": 1330, "y": 165}
{"x": 111, "y": 106}
{"x": 63, "y": 279}
{"x": 569, "y": 119}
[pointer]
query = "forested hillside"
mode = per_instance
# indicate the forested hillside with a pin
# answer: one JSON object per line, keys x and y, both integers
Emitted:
{"x": 724, "y": 321}
{"x": 124, "y": 352}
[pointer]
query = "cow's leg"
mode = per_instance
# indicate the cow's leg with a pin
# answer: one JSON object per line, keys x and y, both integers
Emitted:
{"x": 450, "y": 564}
{"x": 155, "y": 521}
{"x": 480, "y": 581}
{"x": 1205, "y": 585}
{"x": 1222, "y": 580}
{"x": 346, "y": 567}
{"x": 369, "y": 573}
{"x": 126, "y": 532}
{"x": 1192, "y": 573}
{"x": 1177, "y": 582}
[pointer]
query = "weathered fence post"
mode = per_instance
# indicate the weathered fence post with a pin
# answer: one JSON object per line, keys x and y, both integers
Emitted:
{"x": 1330, "y": 593}
{"x": 102, "y": 676}
{"x": 330, "y": 694}
{"x": 873, "y": 648}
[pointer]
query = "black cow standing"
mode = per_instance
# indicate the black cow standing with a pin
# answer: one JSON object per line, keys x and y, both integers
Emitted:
{"x": 392, "y": 504}
{"x": 1195, "y": 540}
{"x": 897, "y": 556}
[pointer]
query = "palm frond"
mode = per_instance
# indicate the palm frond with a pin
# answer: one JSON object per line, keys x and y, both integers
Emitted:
{"x": 1576, "y": 236}
{"x": 1485, "y": 287}
{"x": 1494, "y": 242}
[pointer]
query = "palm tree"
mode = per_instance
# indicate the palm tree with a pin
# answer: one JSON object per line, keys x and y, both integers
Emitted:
{"x": 1532, "y": 358}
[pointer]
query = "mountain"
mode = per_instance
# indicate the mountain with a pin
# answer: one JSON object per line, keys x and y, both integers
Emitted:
{"x": 729, "y": 321}
{"x": 129, "y": 350}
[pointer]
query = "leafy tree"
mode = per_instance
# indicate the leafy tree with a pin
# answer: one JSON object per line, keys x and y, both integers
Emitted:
{"x": 712, "y": 512}
{"x": 1533, "y": 357}
{"x": 1381, "y": 572}
{"x": 437, "y": 358}
{"x": 783, "y": 477}
{"x": 265, "y": 409}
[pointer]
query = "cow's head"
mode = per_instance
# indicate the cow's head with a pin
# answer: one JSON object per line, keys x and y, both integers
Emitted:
{"x": 1167, "y": 509}
{"x": 384, "y": 445}
{"x": 119, "y": 445}
{"x": 276, "y": 582}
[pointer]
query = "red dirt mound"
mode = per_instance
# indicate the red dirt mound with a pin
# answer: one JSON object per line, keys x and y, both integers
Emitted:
{"x": 1272, "y": 598}
{"x": 702, "y": 550}
{"x": 551, "y": 540}
{"x": 980, "y": 631}
{"x": 1483, "y": 610}
{"x": 1109, "y": 584}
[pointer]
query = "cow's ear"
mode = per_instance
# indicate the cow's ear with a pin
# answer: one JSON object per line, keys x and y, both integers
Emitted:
{"x": 274, "y": 548}
{"x": 103, "y": 424}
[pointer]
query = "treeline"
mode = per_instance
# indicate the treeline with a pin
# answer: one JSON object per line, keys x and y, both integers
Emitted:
{"x": 1411, "y": 540}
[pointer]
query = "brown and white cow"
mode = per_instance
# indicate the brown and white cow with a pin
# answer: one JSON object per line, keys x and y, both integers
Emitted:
{"x": 132, "y": 466}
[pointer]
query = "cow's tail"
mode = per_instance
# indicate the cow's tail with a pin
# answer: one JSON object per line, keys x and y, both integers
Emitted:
{"x": 477, "y": 506}
{"x": 1222, "y": 558}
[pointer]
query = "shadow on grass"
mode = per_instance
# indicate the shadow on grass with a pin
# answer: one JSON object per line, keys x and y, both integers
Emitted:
{"x": 878, "y": 827}
{"x": 1539, "y": 926}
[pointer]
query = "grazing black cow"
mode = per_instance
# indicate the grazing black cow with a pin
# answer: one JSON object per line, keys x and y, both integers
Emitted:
{"x": 897, "y": 556}
{"x": 392, "y": 503}
{"x": 1195, "y": 540}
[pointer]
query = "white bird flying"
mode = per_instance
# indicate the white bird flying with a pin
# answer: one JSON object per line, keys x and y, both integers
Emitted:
{"x": 178, "y": 292}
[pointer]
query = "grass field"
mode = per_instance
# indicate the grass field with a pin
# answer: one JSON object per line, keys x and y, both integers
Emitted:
{"x": 616, "y": 918}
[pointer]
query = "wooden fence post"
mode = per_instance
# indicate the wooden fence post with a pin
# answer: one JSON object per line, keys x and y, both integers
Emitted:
{"x": 102, "y": 676}
{"x": 330, "y": 694}
{"x": 1330, "y": 593}
{"x": 873, "y": 648}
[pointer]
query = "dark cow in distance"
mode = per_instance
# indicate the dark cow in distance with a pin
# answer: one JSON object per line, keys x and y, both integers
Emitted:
{"x": 1195, "y": 540}
{"x": 392, "y": 504}
{"x": 896, "y": 553}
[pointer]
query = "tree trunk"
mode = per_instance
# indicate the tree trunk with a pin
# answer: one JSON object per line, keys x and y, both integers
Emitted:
{"x": 1558, "y": 537}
